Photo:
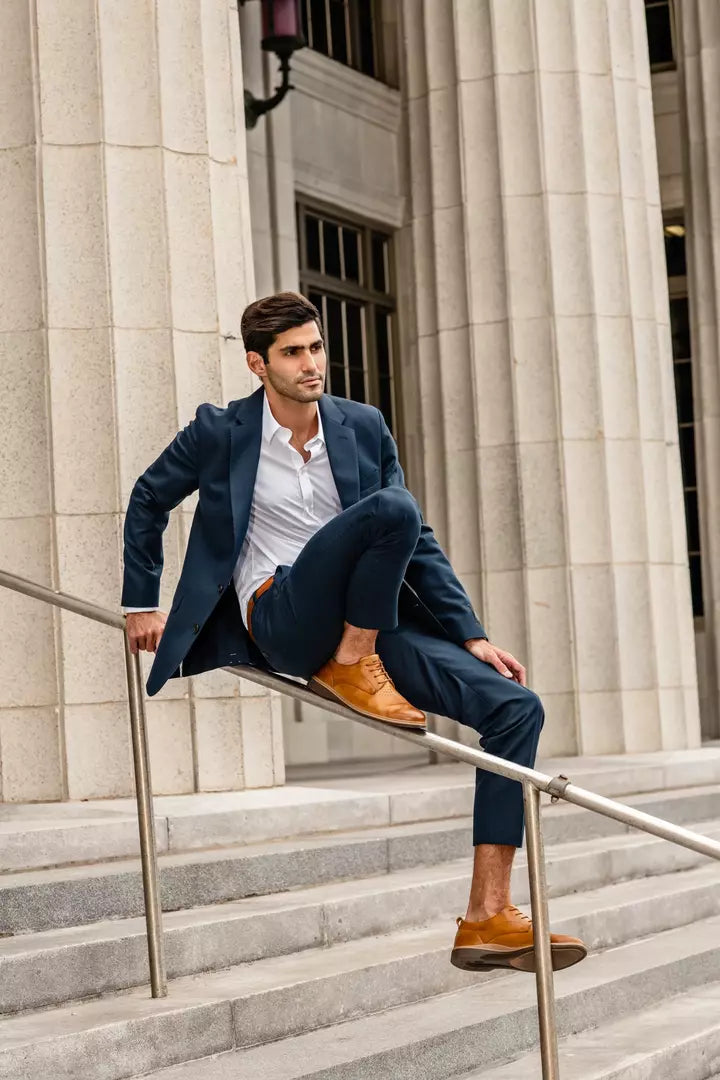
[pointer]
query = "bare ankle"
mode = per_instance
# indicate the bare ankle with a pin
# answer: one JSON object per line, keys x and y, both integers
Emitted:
{"x": 347, "y": 657}
{"x": 485, "y": 912}
{"x": 355, "y": 643}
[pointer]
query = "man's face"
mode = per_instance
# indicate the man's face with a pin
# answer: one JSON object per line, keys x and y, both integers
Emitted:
{"x": 297, "y": 363}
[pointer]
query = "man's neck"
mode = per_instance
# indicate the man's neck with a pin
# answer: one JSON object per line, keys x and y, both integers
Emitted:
{"x": 300, "y": 416}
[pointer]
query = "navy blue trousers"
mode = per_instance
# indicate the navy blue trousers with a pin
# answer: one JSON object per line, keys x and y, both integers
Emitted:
{"x": 352, "y": 570}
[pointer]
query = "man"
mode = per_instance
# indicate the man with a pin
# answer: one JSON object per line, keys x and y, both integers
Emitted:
{"x": 309, "y": 556}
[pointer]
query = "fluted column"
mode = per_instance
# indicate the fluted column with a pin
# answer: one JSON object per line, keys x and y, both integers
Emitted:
{"x": 30, "y": 731}
{"x": 557, "y": 279}
{"x": 128, "y": 123}
{"x": 698, "y": 24}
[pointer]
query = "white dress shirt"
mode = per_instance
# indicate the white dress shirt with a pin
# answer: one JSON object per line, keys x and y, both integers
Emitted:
{"x": 292, "y": 499}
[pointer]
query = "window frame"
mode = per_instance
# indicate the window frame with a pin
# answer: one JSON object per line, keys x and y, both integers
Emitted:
{"x": 313, "y": 280}
{"x": 353, "y": 37}
{"x": 664, "y": 65}
{"x": 678, "y": 290}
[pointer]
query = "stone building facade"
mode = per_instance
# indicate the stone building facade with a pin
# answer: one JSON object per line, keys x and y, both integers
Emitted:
{"x": 476, "y": 192}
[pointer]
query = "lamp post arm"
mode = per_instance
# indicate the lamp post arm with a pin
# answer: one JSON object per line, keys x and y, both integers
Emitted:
{"x": 256, "y": 107}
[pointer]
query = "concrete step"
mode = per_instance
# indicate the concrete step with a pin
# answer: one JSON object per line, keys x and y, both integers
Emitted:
{"x": 37, "y": 900}
{"x": 280, "y": 997}
{"x": 677, "y": 1040}
{"x": 63, "y": 834}
{"x": 448, "y": 1036}
{"x": 38, "y": 835}
{"x": 78, "y": 962}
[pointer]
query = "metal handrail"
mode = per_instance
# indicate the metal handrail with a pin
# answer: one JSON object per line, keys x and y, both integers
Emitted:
{"x": 141, "y": 762}
{"x": 533, "y": 781}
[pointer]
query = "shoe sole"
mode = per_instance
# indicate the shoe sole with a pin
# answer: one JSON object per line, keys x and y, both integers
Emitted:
{"x": 324, "y": 691}
{"x": 480, "y": 958}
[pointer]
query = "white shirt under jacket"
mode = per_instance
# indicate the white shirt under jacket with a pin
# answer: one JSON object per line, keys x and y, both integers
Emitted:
{"x": 291, "y": 501}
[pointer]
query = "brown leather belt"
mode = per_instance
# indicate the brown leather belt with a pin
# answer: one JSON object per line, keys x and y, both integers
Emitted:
{"x": 251, "y": 602}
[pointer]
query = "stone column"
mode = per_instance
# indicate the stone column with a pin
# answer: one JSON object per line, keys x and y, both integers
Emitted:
{"x": 698, "y": 23}
{"x": 133, "y": 235}
{"x": 545, "y": 356}
{"x": 31, "y": 735}
{"x": 270, "y": 167}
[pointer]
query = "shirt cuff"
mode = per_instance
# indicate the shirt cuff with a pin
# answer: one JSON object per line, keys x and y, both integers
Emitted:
{"x": 128, "y": 610}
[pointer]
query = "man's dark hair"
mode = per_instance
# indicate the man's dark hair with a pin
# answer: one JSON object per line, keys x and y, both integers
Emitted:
{"x": 264, "y": 319}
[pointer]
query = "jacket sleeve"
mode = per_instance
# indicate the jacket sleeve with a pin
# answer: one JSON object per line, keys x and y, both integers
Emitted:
{"x": 429, "y": 571}
{"x": 164, "y": 484}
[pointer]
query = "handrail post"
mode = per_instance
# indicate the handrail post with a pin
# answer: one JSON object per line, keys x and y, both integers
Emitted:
{"x": 541, "y": 933}
{"x": 146, "y": 823}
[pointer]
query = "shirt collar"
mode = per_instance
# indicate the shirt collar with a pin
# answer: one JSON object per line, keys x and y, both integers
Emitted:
{"x": 271, "y": 427}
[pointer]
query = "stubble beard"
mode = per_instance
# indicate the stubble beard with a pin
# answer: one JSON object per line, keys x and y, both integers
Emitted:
{"x": 295, "y": 391}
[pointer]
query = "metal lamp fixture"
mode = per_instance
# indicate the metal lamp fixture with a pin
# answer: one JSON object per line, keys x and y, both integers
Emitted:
{"x": 281, "y": 34}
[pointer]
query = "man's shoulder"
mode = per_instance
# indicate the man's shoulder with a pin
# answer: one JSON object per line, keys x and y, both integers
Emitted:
{"x": 211, "y": 415}
{"x": 355, "y": 411}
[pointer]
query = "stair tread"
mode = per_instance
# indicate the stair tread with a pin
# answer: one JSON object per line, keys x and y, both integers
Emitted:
{"x": 315, "y": 842}
{"x": 426, "y": 1021}
{"x": 13, "y": 879}
{"x": 244, "y": 980}
{"x": 605, "y": 1052}
{"x": 110, "y": 929}
{"x": 335, "y": 891}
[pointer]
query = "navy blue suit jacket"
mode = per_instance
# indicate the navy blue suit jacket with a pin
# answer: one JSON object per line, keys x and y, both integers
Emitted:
{"x": 217, "y": 454}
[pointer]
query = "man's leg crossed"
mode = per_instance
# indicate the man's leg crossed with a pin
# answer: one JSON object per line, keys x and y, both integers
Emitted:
{"x": 321, "y": 616}
{"x": 443, "y": 677}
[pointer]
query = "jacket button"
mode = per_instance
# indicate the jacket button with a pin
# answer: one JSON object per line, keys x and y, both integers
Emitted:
{"x": 196, "y": 629}
{"x": 220, "y": 588}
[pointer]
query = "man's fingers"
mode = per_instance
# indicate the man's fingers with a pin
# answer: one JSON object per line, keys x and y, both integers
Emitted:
{"x": 144, "y": 631}
{"x": 515, "y": 666}
{"x": 497, "y": 662}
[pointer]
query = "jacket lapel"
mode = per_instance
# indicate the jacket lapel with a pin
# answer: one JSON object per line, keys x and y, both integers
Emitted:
{"x": 245, "y": 442}
{"x": 342, "y": 452}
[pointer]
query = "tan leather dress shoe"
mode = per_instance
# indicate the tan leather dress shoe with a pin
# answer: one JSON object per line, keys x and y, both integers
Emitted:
{"x": 506, "y": 940}
{"x": 367, "y": 688}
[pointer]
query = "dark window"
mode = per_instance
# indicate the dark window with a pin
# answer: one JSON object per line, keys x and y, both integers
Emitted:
{"x": 683, "y": 391}
{"x": 379, "y": 245}
{"x": 345, "y": 269}
{"x": 696, "y": 584}
{"x": 331, "y": 249}
{"x": 682, "y": 357}
{"x": 312, "y": 238}
{"x": 661, "y": 38}
{"x": 680, "y": 327}
{"x": 343, "y": 30}
{"x": 675, "y": 249}
{"x": 351, "y": 254}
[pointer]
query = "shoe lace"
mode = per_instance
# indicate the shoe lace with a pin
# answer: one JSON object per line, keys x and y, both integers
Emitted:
{"x": 376, "y": 669}
{"x": 519, "y": 913}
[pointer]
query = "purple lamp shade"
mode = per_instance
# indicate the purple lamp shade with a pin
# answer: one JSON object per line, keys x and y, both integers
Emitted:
{"x": 281, "y": 18}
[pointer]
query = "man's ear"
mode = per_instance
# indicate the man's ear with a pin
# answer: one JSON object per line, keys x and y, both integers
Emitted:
{"x": 256, "y": 364}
